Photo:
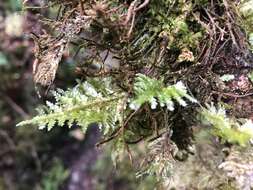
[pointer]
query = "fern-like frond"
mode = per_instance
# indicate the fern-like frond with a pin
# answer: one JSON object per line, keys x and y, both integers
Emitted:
{"x": 160, "y": 159}
{"x": 85, "y": 104}
{"x": 154, "y": 91}
{"x": 228, "y": 129}
{"x": 82, "y": 105}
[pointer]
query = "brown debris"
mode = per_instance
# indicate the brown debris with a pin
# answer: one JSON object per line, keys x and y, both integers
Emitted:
{"x": 48, "y": 55}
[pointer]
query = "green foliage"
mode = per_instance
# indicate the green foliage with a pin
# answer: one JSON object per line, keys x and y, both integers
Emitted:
{"x": 54, "y": 177}
{"x": 82, "y": 105}
{"x": 154, "y": 91}
{"x": 94, "y": 102}
{"x": 164, "y": 35}
{"x": 118, "y": 151}
{"x": 250, "y": 75}
{"x": 123, "y": 174}
{"x": 228, "y": 129}
{"x": 2, "y": 185}
{"x": 246, "y": 10}
{"x": 171, "y": 17}
{"x": 14, "y": 5}
{"x": 251, "y": 39}
{"x": 3, "y": 59}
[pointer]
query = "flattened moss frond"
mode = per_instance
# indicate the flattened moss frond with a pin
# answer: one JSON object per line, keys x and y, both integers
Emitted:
{"x": 226, "y": 128}
{"x": 246, "y": 10}
{"x": 82, "y": 105}
{"x": 154, "y": 91}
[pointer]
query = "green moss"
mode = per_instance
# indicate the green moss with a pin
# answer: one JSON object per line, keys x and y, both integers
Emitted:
{"x": 2, "y": 184}
{"x": 54, "y": 177}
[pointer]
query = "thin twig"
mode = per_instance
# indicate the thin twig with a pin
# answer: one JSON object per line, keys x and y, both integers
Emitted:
{"x": 15, "y": 107}
{"x": 233, "y": 95}
{"x": 144, "y": 4}
{"x": 6, "y": 136}
{"x": 121, "y": 129}
{"x": 130, "y": 12}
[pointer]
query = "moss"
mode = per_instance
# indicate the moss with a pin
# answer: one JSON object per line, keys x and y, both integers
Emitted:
{"x": 168, "y": 41}
{"x": 2, "y": 184}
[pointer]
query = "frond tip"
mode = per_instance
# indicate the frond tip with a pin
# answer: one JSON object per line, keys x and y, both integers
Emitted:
{"x": 153, "y": 91}
{"x": 226, "y": 128}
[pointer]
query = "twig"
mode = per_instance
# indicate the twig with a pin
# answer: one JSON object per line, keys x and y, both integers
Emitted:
{"x": 6, "y": 136}
{"x": 130, "y": 12}
{"x": 129, "y": 154}
{"x": 15, "y": 107}
{"x": 116, "y": 133}
{"x": 132, "y": 26}
{"x": 40, "y": 7}
{"x": 81, "y": 7}
{"x": 136, "y": 141}
{"x": 144, "y": 4}
{"x": 233, "y": 95}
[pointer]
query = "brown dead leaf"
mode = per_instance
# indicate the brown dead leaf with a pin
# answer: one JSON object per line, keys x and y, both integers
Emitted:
{"x": 48, "y": 53}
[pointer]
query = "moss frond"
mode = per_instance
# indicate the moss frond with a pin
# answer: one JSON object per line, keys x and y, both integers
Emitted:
{"x": 154, "y": 91}
{"x": 226, "y": 128}
{"x": 82, "y": 105}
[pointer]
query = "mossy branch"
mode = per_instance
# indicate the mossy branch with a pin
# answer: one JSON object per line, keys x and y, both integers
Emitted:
{"x": 81, "y": 105}
{"x": 44, "y": 118}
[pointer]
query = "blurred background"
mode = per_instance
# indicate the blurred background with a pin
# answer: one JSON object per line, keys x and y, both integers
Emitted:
{"x": 33, "y": 159}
